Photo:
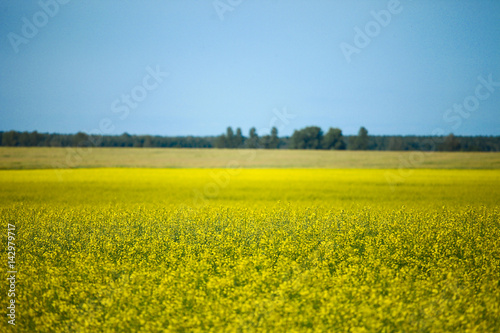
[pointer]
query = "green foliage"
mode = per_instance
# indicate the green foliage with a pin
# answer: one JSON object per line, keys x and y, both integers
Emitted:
{"x": 308, "y": 138}
{"x": 333, "y": 139}
{"x": 230, "y": 139}
{"x": 361, "y": 141}
{"x": 271, "y": 141}
{"x": 238, "y": 139}
{"x": 253, "y": 139}
{"x": 274, "y": 140}
{"x": 450, "y": 143}
{"x": 393, "y": 142}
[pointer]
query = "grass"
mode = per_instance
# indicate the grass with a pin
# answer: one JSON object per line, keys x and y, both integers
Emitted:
{"x": 43, "y": 158}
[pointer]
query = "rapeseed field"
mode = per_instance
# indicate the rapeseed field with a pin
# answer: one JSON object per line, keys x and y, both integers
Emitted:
{"x": 253, "y": 250}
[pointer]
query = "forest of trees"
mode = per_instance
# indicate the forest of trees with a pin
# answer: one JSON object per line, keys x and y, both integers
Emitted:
{"x": 311, "y": 137}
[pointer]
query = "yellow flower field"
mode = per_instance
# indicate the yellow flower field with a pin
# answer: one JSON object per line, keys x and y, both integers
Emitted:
{"x": 253, "y": 250}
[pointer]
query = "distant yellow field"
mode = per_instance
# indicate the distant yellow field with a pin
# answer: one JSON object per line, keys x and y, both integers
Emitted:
{"x": 197, "y": 187}
{"x": 253, "y": 250}
{"x": 43, "y": 158}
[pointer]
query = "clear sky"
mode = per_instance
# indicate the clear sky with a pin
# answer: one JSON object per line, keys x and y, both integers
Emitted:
{"x": 193, "y": 67}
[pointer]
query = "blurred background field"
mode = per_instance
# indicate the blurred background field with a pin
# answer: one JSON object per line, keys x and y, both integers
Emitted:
{"x": 48, "y": 158}
{"x": 195, "y": 188}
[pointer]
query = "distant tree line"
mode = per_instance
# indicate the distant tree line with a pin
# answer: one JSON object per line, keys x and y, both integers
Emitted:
{"x": 32, "y": 139}
{"x": 311, "y": 137}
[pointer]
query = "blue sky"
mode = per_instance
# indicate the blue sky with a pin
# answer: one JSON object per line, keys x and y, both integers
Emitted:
{"x": 193, "y": 67}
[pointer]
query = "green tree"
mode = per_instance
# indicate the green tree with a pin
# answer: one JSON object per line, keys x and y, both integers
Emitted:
{"x": 361, "y": 141}
{"x": 395, "y": 143}
{"x": 55, "y": 140}
{"x": 230, "y": 140}
{"x": 220, "y": 141}
{"x": 9, "y": 138}
{"x": 80, "y": 139}
{"x": 307, "y": 138}
{"x": 125, "y": 140}
{"x": 274, "y": 141}
{"x": 35, "y": 139}
{"x": 451, "y": 143}
{"x": 148, "y": 142}
{"x": 239, "y": 139}
{"x": 333, "y": 139}
{"x": 253, "y": 139}
{"x": 265, "y": 141}
{"x": 24, "y": 139}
